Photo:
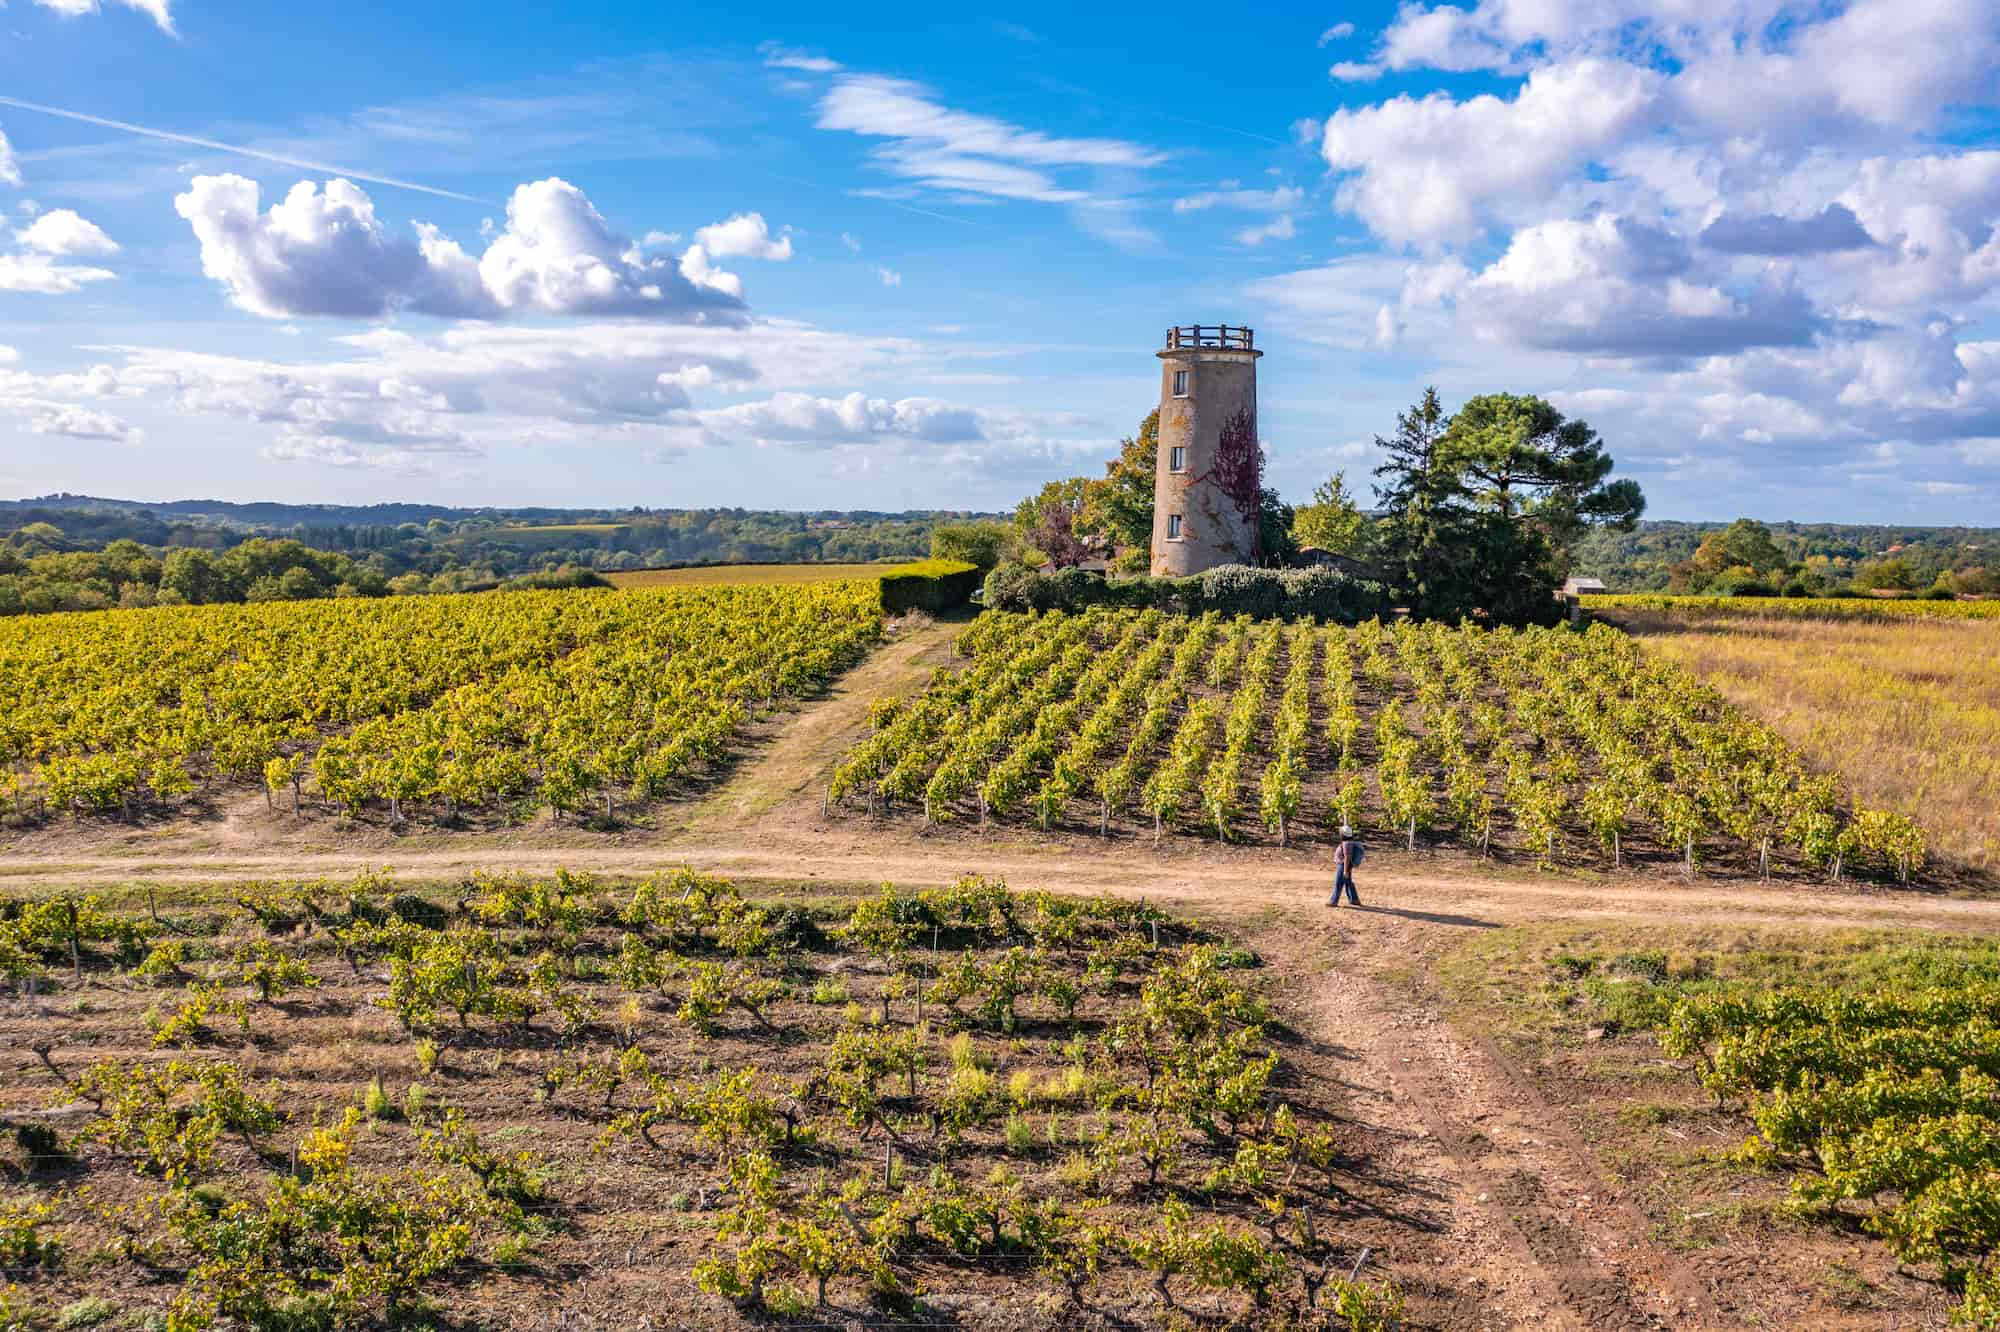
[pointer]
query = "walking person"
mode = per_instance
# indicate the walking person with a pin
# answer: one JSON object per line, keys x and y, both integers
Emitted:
{"x": 1347, "y": 857}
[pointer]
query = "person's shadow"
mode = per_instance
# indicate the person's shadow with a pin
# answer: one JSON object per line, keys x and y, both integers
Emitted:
{"x": 1435, "y": 918}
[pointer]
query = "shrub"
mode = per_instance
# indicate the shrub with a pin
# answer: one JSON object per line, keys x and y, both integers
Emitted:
{"x": 1324, "y": 594}
{"x": 344, "y": 1244}
{"x": 936, "y": 586}
{"x": 1258, "y": 593}
{"x": 37, "y": 1141}
{"x": 23, "y": 1242}
{"x": 86, "y": 1312}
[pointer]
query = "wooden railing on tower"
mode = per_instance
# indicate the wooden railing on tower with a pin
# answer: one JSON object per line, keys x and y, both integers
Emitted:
{"x": 1227, "y": 337}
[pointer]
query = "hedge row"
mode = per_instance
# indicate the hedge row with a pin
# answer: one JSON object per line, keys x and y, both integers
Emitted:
{"x": 1232, "y": 589}
{"x": 934, "y": 586}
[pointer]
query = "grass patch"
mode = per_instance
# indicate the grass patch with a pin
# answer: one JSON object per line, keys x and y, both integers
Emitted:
{"x": 1556, "y": 981}
{"x": 728, "y": 574}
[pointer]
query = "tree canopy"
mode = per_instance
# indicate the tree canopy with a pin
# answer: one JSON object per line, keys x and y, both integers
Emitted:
{"x": 1119, "y": 506}
{"x": 1332, "y": 521}
{"x": 1482, "y": 508}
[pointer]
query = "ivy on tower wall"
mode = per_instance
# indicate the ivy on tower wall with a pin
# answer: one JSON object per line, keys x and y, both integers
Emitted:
{"x": 1238, "y": 473}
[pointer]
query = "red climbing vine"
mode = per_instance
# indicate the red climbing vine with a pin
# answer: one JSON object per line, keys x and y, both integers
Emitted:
{"x": 1238, "y": 472}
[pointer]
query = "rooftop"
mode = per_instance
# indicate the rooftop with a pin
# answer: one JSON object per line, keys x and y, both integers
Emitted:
{"x": 1227, "y": 337}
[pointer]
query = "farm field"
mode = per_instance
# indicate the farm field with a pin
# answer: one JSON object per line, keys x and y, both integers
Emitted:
{"x": 752, "y": 575}
{"x": 1812, "y": 608}
{"x": 1816, "y": 1086}
{"x": 1543, "y": 744}
{"x": 1908, "y": 712}
{"x": 1514, "y": 1147}
{"x": 1501, "y": 1166}
{"x": 970, "y": 1095}
{"x": 442, "y": 706}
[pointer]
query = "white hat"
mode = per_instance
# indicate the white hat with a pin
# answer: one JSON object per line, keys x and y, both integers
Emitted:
{"x": 1346, "y": 831}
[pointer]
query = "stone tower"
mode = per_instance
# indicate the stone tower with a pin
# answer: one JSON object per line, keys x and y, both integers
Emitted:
{"x": 1209, "y": 473}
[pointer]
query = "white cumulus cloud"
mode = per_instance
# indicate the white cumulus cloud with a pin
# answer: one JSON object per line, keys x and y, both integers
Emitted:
{"x": 160, "y": 11}
{"x": 744, "y": 236}
{"x": 1278, "y": 228}
{"x": 801, "y": 418}
{"x": 61, "y": 231}
{"x": 40, "y": 274}
{"x": 84, "y": 423}
{"x": 1426, "y": 170}
{"x": 325, "y": 252}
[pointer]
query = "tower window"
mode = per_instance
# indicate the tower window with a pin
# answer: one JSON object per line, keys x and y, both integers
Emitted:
{"x": 1180, "y": 383}
{"x": 1177, "y": 458}
{"x": 1173, "y": 527}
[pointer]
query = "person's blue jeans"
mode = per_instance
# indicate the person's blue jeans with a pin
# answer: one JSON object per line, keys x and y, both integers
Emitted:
{"x": 1344, "y": 880}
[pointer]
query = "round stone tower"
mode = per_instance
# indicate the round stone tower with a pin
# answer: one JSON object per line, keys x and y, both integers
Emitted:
{"x": 1209, "y": 474}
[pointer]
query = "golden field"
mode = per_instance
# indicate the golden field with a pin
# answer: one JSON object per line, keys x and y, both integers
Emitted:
{"x": 718, "y": 574}
{"x": 1907, "y": 711}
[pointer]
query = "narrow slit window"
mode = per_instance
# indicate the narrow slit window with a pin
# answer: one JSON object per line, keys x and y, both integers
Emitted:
{"x": 1173, "y": 527}
{"x": 1180, "y": 383}
{"x": 1177, "y": 458}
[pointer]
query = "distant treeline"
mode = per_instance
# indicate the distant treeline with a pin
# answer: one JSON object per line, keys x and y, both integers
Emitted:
{"x": 1661, "y": 556}
{"x": 78, "y": 553}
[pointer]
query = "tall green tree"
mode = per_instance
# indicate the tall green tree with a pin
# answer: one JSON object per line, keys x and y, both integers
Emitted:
{"x": 1520, "y": 457}
{"x": 1275, "y": 543}
{"x": 1119, "y": 505}
{"x": 1744, "y": 544}
{"x": 1482, "y": 507}
{"x": 1332, "y": 521}
{"x": 1421, "y": 503}
{"x": 983, "y": 544}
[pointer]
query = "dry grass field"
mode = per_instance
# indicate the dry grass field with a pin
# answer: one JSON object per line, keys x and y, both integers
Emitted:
{"x": 719, "y": 574}
{"x": 1908, "y": 712}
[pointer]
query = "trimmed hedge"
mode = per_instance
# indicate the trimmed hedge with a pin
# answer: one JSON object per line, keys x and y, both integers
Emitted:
{"x": 1232, "y": 589}
{"x": 935, "y": 586}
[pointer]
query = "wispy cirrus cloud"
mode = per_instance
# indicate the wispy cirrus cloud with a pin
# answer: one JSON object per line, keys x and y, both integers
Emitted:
{"x": 961, "y": 153}
{"x": 777, "y": 56}
{"x": 1230, "y": 194}
{"x": 239, "y": 150}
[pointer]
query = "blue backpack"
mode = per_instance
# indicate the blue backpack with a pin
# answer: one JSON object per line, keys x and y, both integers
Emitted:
{"x": 1356, "y": 853}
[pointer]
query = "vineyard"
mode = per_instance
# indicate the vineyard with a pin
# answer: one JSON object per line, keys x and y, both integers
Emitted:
{"x": 282, "y": 1112}
{"x": 576, "y": 701}
{"x": 1861, "y": 1065}
{"x": 1886, "y": 1102}
{"x": 1569, "y": 748}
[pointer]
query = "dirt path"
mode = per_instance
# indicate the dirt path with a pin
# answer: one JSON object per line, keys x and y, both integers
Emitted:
{"x": 1444, "y": 890}
{"x": 790, "y": 770}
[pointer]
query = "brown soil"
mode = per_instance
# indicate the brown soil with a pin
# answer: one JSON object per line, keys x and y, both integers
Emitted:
{"x": 1486, "y": 1182}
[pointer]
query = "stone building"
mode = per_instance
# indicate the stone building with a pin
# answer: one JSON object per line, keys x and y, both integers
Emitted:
{"x": 1209, "y": 473}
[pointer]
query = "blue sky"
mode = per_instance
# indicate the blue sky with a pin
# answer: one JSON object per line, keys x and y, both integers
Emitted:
{"x": 807, "y": 258}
